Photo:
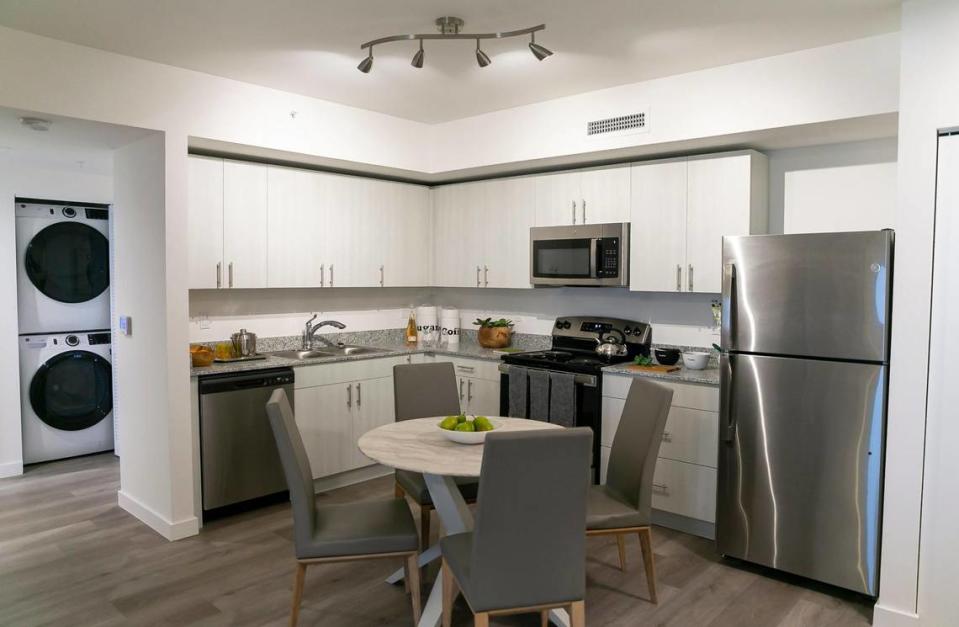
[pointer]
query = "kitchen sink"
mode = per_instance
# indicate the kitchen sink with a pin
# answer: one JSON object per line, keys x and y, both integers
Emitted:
{"x": 354, "y": 350}
{"x": 304, "y": 354}
{"x": 328, "y": 351}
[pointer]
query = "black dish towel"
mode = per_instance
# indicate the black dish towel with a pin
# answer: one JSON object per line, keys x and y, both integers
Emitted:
{"x": 518, "y": 383}
{"x": 539, "y": 395}
{"x": 562, "y": 399}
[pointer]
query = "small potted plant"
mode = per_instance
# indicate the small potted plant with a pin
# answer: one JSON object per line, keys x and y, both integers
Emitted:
{"x": 494, "y": 333}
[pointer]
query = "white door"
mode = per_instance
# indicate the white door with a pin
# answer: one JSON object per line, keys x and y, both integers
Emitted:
{"x": 604, "y": 195}
{"x": 657, "y": 255}
{"x": 510, "y": 213}
{"x": 558, "y": 199}
{"x": 482, "y": 397}
{"x": 205, "y": 222}
{"x": 458, "y": 236}
{"x": 375, "y": 201}
{"x": 245, "y": 224}
{"x": 325, "y": 418}
{"x": 297, "y": 220}
{"x": 408, "y": 231}
{"x": 444, "y": 218}
{"x": 373, "y": 407}
{"x": 718, "y": 203}
{"x": 343, "y": 228}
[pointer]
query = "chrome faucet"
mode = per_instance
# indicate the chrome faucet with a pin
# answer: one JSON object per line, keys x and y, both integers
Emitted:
{"x": 309, "y": 334}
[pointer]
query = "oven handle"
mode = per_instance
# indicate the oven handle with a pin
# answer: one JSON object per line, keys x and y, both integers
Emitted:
{"x": 589, "y": 380}
{"x": 594, "y": 257}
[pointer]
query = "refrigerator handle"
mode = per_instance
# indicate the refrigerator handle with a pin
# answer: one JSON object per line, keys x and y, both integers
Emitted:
{"x": 727, "y": 423}
{"x": 727, "y": 333}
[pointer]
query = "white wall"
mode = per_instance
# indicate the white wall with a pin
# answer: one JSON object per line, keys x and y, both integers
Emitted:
{"x": 33, "y": 179}
{"x": 929, "y": 101}
{"x": 833, "y": 187}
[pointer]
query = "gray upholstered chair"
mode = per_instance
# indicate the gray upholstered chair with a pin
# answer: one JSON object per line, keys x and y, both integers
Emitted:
{"x": 338, "y": 533}
{"x": 623, "y": 506}
{"x": 420, "y": 391}
{"x": 527, "y": 552}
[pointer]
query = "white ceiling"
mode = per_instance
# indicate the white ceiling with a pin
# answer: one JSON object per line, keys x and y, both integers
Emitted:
{"x": 312, "y": 47}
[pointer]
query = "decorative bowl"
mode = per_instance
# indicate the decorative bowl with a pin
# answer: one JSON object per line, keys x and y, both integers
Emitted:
{"x": 695, "y": 360}
{"x": 467, "y": 437}
{"x": 666, "y": 356}
{"x": 494, "y": 337}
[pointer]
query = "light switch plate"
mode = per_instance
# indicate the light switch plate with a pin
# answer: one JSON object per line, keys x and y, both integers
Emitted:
{"x": 126, "y": 325}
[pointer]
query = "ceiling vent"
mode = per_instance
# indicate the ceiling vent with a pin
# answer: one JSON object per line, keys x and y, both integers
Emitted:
{"x": 620, "y": 125}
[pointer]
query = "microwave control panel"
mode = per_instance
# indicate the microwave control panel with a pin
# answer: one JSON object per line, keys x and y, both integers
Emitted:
{"x": 607, "y": 257}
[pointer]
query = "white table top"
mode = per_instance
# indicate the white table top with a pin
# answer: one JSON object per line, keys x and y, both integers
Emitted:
{"x": 419, "y": 446}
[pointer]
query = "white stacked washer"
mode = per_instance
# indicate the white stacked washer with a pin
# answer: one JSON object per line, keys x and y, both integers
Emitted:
{"x": 63, "y": 290}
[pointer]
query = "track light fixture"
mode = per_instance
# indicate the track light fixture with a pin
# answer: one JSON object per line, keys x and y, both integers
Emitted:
{"x": 417, "y": 61}
{"x": 449, "y": 28}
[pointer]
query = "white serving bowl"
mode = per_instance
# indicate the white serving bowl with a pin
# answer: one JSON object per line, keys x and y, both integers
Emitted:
{"x": 695, "y": 360}
{"x": 467, "y": 437}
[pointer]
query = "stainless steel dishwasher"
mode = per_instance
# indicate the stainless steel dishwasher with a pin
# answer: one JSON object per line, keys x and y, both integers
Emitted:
{"x": 239, "y": 462}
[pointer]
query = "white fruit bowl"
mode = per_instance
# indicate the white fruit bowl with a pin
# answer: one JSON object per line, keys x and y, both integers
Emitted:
{"x": 467, "y": 437}
{"x": 695, "y": 360}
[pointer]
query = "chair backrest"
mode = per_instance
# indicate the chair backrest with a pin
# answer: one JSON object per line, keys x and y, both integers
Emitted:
{"x": 529, "y": 543}
{"x": 632, "y": 459}
{"x": 296, "y": 467}
{"x": 425, "y": 390}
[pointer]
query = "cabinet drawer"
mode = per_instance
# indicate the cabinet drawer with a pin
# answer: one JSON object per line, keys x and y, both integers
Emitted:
{"x": 685, "y": 489}
{"x": 615, "y": 386}
{"x": 344, "y": 371}
{"x": 473, "y": 368}
{"x": 691, "y": 435}
{"x": 691, "y": 395}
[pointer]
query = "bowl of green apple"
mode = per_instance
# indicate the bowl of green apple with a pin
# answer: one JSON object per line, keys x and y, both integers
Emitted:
{"x": 464, "y": 430}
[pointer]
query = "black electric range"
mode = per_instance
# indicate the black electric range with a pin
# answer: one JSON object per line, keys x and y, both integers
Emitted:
{"x": 573, "y": 350}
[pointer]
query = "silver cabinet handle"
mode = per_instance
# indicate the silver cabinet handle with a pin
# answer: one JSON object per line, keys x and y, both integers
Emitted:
{"x": 461, "y": 389}
{"x": 667, "y": 436}
{"x": 469, "y": 391}
{"x": 477, "y": 276}
{"x": 485, "y": 276}
{"x": 331, "y": 275}
{"x": 574, "y": 212}
{"x": 661, "y": 488}
{"x": 219, "y": 274}
{"x": 584, "y": 211}
{"x": 349, "y": 395}
{"x": 359, "y": 394}
{"x": 230, "y": 273}
{"x": 323, "y": 275}
{"x": 466, "y": 368}
{"x": 381, "y": 275}
{"x": 679, "y": 278}
{"x": 690, "y": 277}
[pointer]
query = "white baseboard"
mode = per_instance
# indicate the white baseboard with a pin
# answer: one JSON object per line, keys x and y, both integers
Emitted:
{"x": 883, "y": 616}
{"x": 11, "y": 469}
{"x": 170, "y": 530}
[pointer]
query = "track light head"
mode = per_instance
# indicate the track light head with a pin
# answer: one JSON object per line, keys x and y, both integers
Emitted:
{"x": 540, "y": 52}
{"x": 367, "y": 63}
{"x": 417, "y": 61}
{"x": 481, "y": 57}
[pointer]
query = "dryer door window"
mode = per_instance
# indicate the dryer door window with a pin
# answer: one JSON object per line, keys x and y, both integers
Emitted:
{"x": 69, "y": 262}
{"x": 72, "y": 391}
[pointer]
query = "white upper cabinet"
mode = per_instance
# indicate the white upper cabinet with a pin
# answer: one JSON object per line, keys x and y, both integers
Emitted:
{"x": 510, "y": 212}
{"x": 680, "y": 211}
{"x": 594, "y": 196}
{"x": 244, "y": 224}
{"x": 297, "y": 218}
{"x": 458, "y": 235}
{"x": 205, "y": 222}
{"x": 408, "y": 230}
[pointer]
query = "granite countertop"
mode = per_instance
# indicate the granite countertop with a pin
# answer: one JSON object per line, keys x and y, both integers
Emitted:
{"x": 707, "y": 376}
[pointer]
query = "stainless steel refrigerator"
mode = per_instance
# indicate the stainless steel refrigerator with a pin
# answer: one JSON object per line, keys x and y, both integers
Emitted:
{"x": 804, "y": 370}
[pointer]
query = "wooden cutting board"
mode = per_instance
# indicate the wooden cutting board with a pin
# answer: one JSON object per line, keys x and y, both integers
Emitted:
{"x": 656, "y": 368}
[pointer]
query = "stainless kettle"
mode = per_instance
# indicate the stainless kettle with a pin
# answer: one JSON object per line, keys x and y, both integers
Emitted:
{"x": 609, "y": 347}
{"x": 244, "y": 343}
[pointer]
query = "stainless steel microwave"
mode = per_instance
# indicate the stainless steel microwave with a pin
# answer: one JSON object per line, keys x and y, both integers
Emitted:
{"x": 594, "y": 255}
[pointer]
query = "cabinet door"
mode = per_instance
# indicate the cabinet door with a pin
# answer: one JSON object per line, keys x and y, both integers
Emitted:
{"x": 657, "y": 252}
{"x": 509, "y": 214}
{"x": 245, "y": 224}
{"x": 407, "y": 228}
{"x": 375, "y": 201}
{"x": 458, "y": 236}
{"x": 718, "y": 203}
{"x": 297, "y": 217}
{"x": 205, "y": 222}
{"x": 343, "y": 229}
{"x": 325, "y": 421}
{"x": 482, "y": 397}
{"x": 558, "y": 199}
{"x": 604, "y": 195}
{"x": 372, "y": 408}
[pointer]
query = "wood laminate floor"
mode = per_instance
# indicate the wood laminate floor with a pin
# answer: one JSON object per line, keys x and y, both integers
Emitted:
{"x": 70, "y": 556}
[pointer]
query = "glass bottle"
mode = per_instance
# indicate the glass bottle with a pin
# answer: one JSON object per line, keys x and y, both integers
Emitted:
{"x": 411, "y": 334}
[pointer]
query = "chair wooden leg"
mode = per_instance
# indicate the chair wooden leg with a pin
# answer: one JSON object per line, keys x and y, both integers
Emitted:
{"x": 450, "y": 591}
{"x": 544, "y": 618}
{"x": 297, "y": 593}
{"x": 646, "y": 542}
{"x": 577, "y": 614}
{"x": 398, "y": 491}
{"x": 481, "y": 620}
{"x": 621, "y": 542}
{"x": 413, "y": 577}
{"x": 425, "y": 527}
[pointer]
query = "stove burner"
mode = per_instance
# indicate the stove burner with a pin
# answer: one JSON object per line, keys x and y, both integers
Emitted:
{"x": 553, "y": 355}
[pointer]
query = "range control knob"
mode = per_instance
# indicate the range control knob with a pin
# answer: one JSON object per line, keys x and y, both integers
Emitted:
{"x": 559, "y": 324}
{"x": 72, "y": 340}
{"x": 566, "y": 324}
{"x": 628, "y": 331}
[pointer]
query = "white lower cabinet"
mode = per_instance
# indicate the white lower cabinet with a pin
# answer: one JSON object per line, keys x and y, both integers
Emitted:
{"x": 478, "y": 384}
{"x": 684, "y": 482}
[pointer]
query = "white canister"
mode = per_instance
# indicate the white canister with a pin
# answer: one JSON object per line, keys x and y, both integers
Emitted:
{"x": 427, "y": 325}
{"x": 450, "y": 328}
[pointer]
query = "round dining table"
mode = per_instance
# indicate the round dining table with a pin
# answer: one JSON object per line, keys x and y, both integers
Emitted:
{"x": 419, "y": 445}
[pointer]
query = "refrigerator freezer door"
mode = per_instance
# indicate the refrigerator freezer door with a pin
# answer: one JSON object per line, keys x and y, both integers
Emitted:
{"x": 800, "y": 467}
{"x": 817, "y": 295}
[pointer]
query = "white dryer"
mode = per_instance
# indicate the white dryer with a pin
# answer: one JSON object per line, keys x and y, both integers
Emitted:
{"x": 63, "y": 266}
{"x": 66, "y": 395}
